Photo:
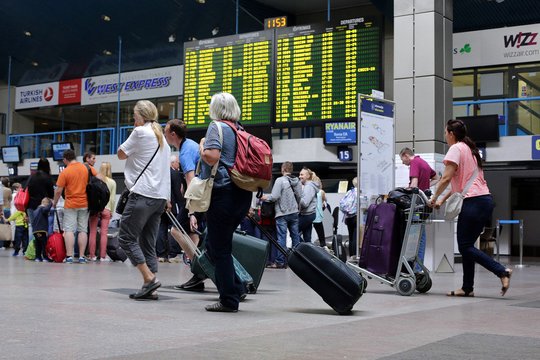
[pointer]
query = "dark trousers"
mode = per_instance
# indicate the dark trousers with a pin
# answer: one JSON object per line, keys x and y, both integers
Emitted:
{"x": 319, "y": 229}
{"x": 351, "y": 228}
{"x": 139, "y": 228}
{"x": 40, "y": 243}
{"x": 305, "y": 226}
{"x": 229, "y": 205}
{"x": 475, "y": 212}
{"x": 21, "y": 238}
{"x": 162, "y": 245}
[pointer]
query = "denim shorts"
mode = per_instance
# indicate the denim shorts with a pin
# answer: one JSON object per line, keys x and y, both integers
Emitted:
{"x": 76, "y": 220}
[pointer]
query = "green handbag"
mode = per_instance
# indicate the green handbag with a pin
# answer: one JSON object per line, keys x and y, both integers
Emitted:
{"x": 30, "y": 253}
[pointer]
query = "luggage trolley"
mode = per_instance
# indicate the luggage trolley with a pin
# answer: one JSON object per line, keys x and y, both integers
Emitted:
{"x": 406, "y": 280}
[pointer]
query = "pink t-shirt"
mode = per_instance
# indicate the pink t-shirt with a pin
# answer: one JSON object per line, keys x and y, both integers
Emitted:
{"x": 461, "y": 155}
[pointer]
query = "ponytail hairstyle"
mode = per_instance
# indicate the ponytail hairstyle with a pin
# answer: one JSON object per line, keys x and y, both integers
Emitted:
{"x": 149, "y": 113}
{"x": 458, "y": 128}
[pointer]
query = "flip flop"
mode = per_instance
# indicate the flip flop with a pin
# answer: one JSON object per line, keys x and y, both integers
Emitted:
{"x": 464, "y": 294}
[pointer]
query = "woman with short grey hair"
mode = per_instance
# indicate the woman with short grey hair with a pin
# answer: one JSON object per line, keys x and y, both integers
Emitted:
{"x": 229, "y": 204}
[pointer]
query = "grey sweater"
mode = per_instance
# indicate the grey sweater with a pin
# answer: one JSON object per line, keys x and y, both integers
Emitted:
{"x": 308, "y": 204}
{"x": 283, "y": 195}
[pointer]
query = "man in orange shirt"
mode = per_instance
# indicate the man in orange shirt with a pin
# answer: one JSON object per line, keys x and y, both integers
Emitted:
{"x": 74, "y": 180}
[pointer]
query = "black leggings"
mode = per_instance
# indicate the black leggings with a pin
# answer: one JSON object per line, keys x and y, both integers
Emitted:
{"x": 41, "y": 243}
{"x": 319, "y": 229}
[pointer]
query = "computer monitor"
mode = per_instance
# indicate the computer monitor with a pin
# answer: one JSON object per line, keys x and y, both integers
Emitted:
{"x": 11, "y": 154}
{"x": 59, "y": 148}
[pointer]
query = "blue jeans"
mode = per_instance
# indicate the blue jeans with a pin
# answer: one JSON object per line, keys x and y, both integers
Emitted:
{"x": 475, "y": 212}
{"x": 282, "y": 224}
{"x": 229, "y": 205}
{"x": 421, "y": 249}
{"x": 305, "y": 226}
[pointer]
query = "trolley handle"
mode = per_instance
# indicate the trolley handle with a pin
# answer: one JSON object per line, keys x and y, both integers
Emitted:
{"x": 423, "y": 196}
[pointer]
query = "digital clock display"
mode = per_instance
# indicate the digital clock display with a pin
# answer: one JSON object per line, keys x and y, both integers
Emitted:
{"x": 240, "y": 65}
{"x": 275, "y": 22}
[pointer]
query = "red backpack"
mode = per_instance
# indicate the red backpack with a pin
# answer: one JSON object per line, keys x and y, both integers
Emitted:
{"x": 252, "y": 169}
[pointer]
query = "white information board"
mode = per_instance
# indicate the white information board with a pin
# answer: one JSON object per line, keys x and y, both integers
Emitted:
{"x": 376, "y": 146}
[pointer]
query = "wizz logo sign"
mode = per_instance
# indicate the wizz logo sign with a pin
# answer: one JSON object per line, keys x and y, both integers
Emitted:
{"x": 521, "y": 39}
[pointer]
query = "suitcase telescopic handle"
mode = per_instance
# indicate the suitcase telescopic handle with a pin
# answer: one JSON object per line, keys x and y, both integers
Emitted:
{"x": 268, "y": 236}
{"x": 188, "y": 240}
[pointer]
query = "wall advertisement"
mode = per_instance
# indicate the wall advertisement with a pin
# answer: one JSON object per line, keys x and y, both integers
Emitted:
{"x": 509, "y": 45}
{"x": 135, "y": 85}
{"x": 33, "y": 96}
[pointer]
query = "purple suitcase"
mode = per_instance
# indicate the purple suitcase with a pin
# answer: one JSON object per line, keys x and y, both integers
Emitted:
{"x": 382, "y": 243}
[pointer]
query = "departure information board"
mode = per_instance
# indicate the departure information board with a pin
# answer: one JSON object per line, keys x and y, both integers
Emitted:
{"x": 321, "y": 69}
{"x": 238, "y": 64}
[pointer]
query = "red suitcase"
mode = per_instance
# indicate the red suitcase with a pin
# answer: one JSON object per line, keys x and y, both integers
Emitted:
{"x": 56, "y": 247}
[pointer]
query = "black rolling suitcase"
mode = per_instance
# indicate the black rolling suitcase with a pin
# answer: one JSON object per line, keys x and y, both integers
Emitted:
{"x": 337, "y": 240}
{"x": 338, "y": 285}
{"x": 114, "y": 251}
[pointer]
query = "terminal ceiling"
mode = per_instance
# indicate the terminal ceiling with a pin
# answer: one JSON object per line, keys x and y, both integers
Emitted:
{"x": 70, "y": 39}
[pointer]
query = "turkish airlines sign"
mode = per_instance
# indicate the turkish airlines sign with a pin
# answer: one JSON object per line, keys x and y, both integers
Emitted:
{"x": 48, "y": 94}
{"x": 510, "y": 45}
{"x": 33, "y": 96}
{"x": 135, "y": 85}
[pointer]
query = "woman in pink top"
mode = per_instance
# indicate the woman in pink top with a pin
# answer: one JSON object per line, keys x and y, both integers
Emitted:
{"x": 460, "y": 162}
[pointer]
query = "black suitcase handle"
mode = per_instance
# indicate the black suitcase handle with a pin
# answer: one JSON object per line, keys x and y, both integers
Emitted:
{"x": 270, "y": 237}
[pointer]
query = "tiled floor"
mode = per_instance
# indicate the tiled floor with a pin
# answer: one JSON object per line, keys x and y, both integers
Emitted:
{"x": 64, "y": 311}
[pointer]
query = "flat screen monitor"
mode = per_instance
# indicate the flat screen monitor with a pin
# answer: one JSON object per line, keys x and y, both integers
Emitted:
{"x": 11, "y": 154}
{"x": 340, "y": 133}
{"x": 482, "y": 128}
{"x": 59, "y": 148}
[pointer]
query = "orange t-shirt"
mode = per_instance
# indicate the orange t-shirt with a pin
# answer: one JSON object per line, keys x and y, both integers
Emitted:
{"x": 74, "y": 180}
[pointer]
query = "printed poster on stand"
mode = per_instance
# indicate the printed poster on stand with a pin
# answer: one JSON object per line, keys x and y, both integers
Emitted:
{"x": 376, "y": 147}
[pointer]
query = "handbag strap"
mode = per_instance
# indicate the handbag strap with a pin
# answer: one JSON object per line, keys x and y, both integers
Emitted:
{"x": 152, "y": 158}
{"x": 215, "y": 167}
{"x": 469, "y": 183}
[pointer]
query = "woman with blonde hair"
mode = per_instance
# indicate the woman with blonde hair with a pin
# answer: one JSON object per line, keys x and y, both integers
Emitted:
{"x": 319, "y": 213}
{"x": 308, "y": 203}
{"x": 148, "y": 178}
{"x": 106, "y": 214}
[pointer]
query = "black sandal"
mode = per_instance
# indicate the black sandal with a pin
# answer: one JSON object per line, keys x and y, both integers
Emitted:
{"x": 464, "y": 294}
{"x": 507, "y": 275}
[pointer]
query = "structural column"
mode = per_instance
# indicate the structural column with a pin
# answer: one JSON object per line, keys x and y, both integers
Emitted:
{"x": 422, "y": 73}
{"x": 423, "y": 96}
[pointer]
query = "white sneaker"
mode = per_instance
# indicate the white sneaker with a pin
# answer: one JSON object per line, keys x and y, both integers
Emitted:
{"x": 105, "y": 259}
{"x": 93, "y": 258}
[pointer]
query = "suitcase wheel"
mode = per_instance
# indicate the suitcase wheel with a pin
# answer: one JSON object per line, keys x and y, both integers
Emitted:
{"x": 405, "y": 286}
{"x": 423, "y": 283}
{"x": 251, "y": 289}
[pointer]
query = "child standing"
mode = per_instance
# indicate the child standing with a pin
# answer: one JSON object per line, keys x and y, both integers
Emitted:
{"x": 21, "y": 231}
{"x": 40, "y": 228}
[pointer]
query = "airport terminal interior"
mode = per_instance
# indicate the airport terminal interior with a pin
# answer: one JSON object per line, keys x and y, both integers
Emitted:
{"x": 336, "y": 86}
